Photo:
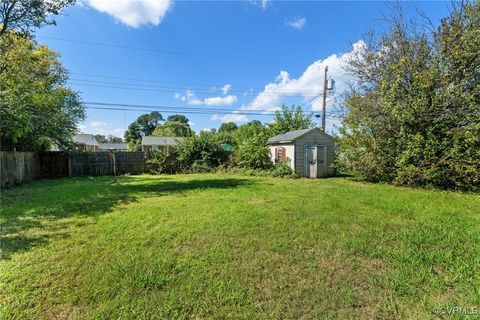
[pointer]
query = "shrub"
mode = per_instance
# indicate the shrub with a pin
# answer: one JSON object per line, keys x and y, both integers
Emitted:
{"x": 164, "y": 162}
{"x": 282, "y": 169}
{"x": 253, "y": 153}
{"x": 201, "y": 166}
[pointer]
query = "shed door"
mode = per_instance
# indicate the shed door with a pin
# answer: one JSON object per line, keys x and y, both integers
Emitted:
{"x": 312, "y": 164}
{"x": 321, "y": 165}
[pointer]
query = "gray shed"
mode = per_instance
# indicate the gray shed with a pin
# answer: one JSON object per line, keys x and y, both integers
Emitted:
{"x": 310, "y": 152}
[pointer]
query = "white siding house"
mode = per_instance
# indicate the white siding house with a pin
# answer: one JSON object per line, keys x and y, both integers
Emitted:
{"x": 152, "y": 143}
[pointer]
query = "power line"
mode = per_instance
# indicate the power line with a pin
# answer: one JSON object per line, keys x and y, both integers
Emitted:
{"x": 177, "y": 109}
{"x": 188, "y": 87}
{"x": 170, "y": 52}
{"x": 162, "y": 81}
{"x": 188, "y": 110}
{"x": 118, "y": 85}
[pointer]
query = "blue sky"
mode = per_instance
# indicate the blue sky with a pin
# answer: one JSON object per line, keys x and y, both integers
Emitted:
{"x": 209, "y": 60}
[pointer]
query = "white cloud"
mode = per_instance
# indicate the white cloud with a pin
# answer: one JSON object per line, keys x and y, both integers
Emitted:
{"x": 231, "y": 117}
{"x": 100, "y": 127}
{"x": 226, "y": 88}
{"x": 133, "y": 13}
{"x": 309, "y": 84}
{"x": 261, "y": 3}
{"x": 190, "y": 98}
{"x": 221, "y": 101}
{"x": 98, "y": 124}
{"x": 296, "y": 23}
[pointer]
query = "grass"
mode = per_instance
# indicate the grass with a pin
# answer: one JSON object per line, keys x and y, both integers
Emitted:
{"x": 218, "y": 247}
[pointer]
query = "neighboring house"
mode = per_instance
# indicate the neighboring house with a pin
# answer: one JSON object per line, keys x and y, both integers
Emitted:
{"x": 151, "y": 143}
{"x": 113, "y": 146}
{"x": 85, "y": 142}
{"x": 310, "y": 152}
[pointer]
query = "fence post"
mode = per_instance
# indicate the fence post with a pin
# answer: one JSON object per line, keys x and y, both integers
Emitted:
{"x": 114, "y": 164}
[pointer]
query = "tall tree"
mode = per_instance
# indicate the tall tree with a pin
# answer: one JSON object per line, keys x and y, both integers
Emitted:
{"x": 107, "y": 139}
{"x": 177, "y": 118}
{"x": 36, "y": 108}
{"x": 289, "y": 119}
{"x": 24, "y": 15}
{"x": 173, "y": 129}
{"x": 414, "y": 116}
{"x": 144, "y": 125}
{"x": 228, "y": 127}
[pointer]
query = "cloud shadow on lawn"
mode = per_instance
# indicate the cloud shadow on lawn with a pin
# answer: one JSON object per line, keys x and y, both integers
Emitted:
{"x": 34, "y": 222}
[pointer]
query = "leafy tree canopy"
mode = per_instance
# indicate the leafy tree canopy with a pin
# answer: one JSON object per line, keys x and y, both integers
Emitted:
{"x": 228, "y": 127}
{"x": 414, "y": 116}
{"x": 107, "y": 139}
{"x": 173, "y": 129}
{"x": 24, "y": 15}
{"x": 177, "y": 118}
{"x": 289, "y": 119}
{"x": 144, "y": 125}
{"x": 36, "y": 108}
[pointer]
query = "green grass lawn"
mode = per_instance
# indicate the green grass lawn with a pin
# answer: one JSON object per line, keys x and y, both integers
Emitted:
{"x": 227, "y": 247}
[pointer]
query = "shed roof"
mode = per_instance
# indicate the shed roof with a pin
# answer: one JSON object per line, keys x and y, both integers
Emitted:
{"x": 84, "y": 138}
{"x": 291, "y": 136}
{"x": 160, "y": 141}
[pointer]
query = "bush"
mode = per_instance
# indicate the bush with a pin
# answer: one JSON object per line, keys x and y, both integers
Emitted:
{"x": 282, "y": 169}
{"x": 279, "y": 170}
{"x": 203, "y": 148}
{"x": 201, "y": 166}
{"x": 164, "y": 162}
{"x": 253, "y": 153}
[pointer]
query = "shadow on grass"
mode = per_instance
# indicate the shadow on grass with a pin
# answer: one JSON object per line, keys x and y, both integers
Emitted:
{"x": 32, "y": 215}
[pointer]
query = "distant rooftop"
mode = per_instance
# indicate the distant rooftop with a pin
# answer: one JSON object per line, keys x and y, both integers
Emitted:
{"x": 161, "y": 141}
{"x": 85, "y": 138}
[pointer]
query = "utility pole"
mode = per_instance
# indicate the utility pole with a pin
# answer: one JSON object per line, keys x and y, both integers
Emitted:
{"x": 324, "y": 99}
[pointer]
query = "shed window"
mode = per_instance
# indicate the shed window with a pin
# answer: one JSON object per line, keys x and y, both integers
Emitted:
{"x": 280, "y": 154}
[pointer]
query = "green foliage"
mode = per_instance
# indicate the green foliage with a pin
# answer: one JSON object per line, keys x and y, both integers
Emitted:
{"x": 36, "y": 107}
{"x": 414, "y": 117}
{"x": 173, "y": 129}
{"x": 164, "y": 162}
{"x": 290, "y": 119}
{"x": 177, "y": 118}
{"x": 107, "y": 139}
{"x": 253, "y": 153}
{"x": 228, "y": 127}
{"x": 144, "y": 125}
{"x": 282, "y": 169}
{"x": 24, "y": 15}
{"x": 202, "y": 149}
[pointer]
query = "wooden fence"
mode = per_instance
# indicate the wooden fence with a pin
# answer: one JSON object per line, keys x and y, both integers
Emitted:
{"x": 18, "y": 167}
{"x": 21, "y": 167}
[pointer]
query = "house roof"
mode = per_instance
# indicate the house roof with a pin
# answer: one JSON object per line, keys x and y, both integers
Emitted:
{"x": 291, "y": 136}
{"x": 113, "y": 146}
{"x": 84, "y": 138}
{"x": 160, "y": 141}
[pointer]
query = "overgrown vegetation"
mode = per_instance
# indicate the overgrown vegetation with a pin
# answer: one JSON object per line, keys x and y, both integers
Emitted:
{"x": 218, "y": 246}
{"x": 241, "y": 149}
{"x": 413, "y": 117}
